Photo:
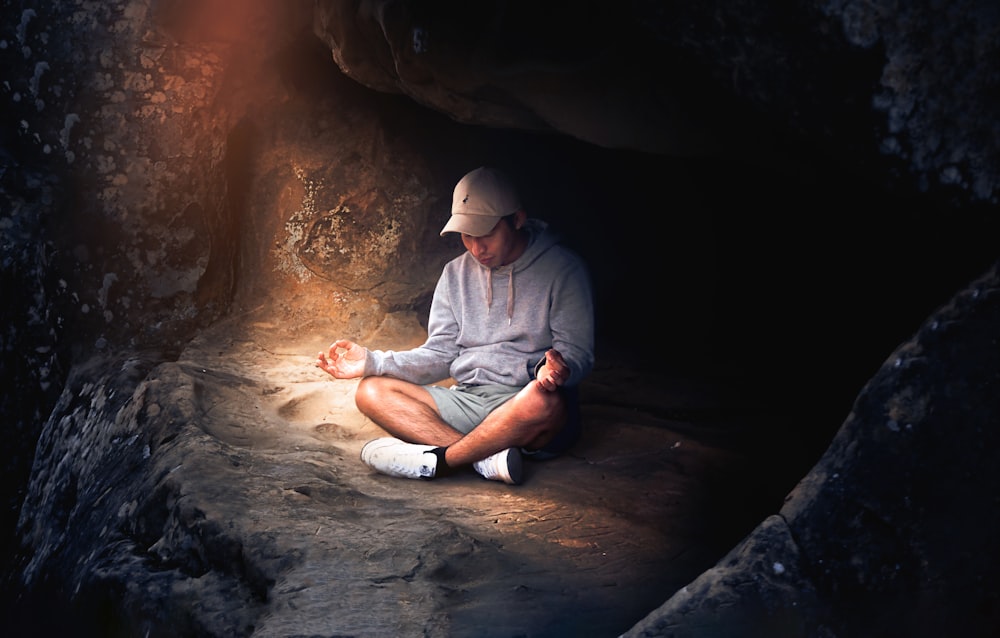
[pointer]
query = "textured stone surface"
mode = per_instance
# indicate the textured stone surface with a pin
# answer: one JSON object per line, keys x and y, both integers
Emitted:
{"x": 891, "y": 532}
{"x": 855, "y": 77}
{"x": 224, "y": 496}
{"x": 197, "y": 199}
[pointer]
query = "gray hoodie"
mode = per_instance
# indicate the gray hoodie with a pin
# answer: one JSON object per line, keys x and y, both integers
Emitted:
{"x": 494, "y": 325}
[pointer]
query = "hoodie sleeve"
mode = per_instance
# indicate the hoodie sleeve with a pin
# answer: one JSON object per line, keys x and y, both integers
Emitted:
{"x": 429, "y": 362}
{"x": 572, "y": 319}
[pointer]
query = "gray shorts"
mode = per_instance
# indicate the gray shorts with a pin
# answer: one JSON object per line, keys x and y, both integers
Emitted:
{"x": 464, "y": 407}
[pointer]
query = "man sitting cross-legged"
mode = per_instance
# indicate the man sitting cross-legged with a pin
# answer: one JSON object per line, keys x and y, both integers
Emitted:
{"x": 511, "y": 321}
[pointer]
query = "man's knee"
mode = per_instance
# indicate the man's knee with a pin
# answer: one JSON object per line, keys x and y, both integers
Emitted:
{"x": 367, "y": 393}
{"x": 374, "y": 394}
{"x": 543, "y": 408}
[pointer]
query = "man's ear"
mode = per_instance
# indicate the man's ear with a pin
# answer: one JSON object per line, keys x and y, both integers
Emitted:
{"x": 519, "y": 218}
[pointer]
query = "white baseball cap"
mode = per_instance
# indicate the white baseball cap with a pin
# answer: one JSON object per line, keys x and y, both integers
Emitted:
{"x": 480, "y": 199}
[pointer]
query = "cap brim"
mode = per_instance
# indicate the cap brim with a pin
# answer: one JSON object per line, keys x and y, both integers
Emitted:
{"x": 474, "y": 225}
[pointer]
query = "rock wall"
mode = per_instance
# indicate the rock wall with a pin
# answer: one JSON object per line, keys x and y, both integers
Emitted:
{"x": 889, "y": 533}
{"x": 170, "y": 165}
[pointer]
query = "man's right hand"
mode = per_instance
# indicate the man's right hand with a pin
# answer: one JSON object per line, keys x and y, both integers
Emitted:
{"x": 344, "y": 360}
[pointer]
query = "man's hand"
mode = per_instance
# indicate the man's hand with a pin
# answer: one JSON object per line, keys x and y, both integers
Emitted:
{"x": 345, "y": 360}
{"x": 553, "y": 373}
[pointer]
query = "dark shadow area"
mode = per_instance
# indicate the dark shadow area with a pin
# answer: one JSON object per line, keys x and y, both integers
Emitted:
{"x": 783, "y": 290}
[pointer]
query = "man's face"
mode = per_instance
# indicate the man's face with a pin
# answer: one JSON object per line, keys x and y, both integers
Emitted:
{"x": 500, "y": 246}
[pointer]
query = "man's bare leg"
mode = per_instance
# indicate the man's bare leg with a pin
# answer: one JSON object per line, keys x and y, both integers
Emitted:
{"x": 529, "y": 419}
{"x": 405, "y": 410}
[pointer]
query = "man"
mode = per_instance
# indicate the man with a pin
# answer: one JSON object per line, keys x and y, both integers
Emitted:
{"x": 511, "y": 322}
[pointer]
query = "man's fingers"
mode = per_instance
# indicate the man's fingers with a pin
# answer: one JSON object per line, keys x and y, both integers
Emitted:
{"x": 324, "y": 362}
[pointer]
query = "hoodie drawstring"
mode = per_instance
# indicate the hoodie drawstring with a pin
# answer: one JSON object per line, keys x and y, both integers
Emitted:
{"x": 510, "y": 297}
{"x": 489, "y": 289}
{"x": 510, "y": 293}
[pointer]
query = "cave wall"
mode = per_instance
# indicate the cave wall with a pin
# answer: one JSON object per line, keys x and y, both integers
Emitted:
{"x": 171, "y": 163}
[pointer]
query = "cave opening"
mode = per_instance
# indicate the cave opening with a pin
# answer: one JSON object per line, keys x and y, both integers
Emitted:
{"x": 785, "y": 280}
{"x": 783, "y": 284}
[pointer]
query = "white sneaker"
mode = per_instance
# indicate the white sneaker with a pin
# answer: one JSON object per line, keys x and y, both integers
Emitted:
{"x": 393, "y": 457}
{"x": 504, "y": 466}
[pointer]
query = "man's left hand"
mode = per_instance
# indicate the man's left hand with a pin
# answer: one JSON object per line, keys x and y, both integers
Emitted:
{"x": 554, "y": 372}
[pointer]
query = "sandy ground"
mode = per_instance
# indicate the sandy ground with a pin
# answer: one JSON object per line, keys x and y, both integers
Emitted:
{"x": 657, "y": 491}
